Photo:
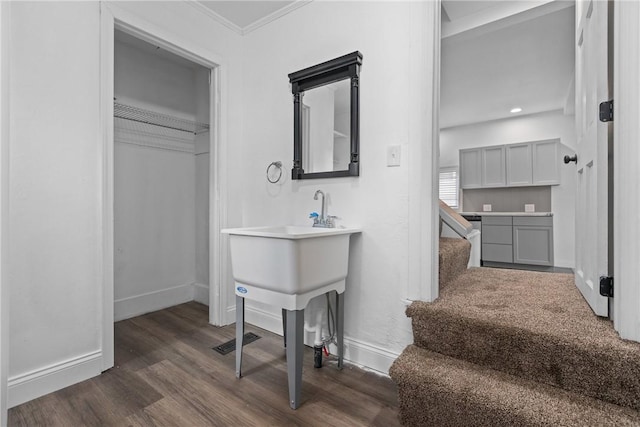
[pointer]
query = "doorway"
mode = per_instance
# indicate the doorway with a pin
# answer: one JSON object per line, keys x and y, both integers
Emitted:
{"x": 207, "y": 149}
{"x": 507, "y": 98}
{"x": 161, "y": 179}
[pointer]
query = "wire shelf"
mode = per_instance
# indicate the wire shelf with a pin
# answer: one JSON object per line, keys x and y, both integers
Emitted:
{"x": 140, "y": 115}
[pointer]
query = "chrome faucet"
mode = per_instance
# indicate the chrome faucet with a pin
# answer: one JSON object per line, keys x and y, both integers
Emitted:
{"x": 324, "y": 220}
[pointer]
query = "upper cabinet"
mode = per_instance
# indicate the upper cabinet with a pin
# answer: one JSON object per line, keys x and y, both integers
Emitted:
{"x": 471, "y": 164}
{"x": 493, "y": 170}
{"x": 546, "y": 162}
{"x": 513, "y": 165}
{"x": 519, "y": 165}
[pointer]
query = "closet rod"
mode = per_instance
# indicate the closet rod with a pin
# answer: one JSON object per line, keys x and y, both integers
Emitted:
{"x": 140, "y": 115}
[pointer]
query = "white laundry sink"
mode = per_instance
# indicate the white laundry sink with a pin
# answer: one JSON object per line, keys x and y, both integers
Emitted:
{"x": 290, "y": 260}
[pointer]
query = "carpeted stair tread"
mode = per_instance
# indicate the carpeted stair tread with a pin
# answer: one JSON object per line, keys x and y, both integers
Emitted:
{"x": 436, "y": 390}
{"x": 533, "y": 325}
{"x": 453, "y": 259}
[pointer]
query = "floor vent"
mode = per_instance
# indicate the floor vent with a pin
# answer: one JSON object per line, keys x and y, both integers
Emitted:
{"x": 230, "y": 346}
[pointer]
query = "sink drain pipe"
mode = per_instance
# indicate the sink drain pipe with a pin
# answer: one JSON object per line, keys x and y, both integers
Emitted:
{"x": 318, "y": 343}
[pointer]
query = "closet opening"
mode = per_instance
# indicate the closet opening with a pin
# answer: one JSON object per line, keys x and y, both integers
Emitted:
{"x": 162, "y": 148}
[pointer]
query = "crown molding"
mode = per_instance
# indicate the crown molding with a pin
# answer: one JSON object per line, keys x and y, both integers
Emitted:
{"x": 255, "y": 24}
{"x": 213, "y": 15}
{"x": 275, "y": 15}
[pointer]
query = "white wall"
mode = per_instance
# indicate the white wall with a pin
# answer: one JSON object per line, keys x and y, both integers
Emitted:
{"x": 376, "y": 327}
{"x": 53, "y": 270}
{"x": 548, "y": 125}
{"x": 154, "y": 229}
{"x": 55, "y": 195}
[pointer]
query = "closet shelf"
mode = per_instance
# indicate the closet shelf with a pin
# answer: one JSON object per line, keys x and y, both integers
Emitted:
{"x": 140, "y": 115}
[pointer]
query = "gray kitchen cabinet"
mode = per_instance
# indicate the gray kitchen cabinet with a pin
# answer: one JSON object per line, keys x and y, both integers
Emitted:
{"x": 533, "y": 240}
{"x": 497, "y": 239}
{"x": 546, "y": 162}
{"x": 519, "y": 165}
{"x": 513, "y": 165}
{"x": 493, "y": 166}
{"x": 470, "y": 168}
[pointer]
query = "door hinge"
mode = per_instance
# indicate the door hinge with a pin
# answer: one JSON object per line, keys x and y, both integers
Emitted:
{"x": 606, "y": 286}
{"x": 606, "y": 111}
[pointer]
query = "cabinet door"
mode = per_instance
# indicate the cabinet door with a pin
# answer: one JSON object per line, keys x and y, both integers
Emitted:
{"x": 470, "y": 167}
{"x": 532, "y": 245}
{"x": 519, "y": 164}
{"x": 493, "y": 166}
{"x": 546, "y": 162}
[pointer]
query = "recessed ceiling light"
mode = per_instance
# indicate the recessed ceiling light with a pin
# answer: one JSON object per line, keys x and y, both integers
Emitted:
{"x": 516, "y": 110}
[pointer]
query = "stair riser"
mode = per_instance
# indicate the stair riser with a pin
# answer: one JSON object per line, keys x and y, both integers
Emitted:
{"x": 599, "y": 373}
{"x": 436, "y": 390}
{"x": 438, "y": 409}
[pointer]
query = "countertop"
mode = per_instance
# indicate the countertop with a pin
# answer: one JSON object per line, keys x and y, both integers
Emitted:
{"x": 508, "y": 213}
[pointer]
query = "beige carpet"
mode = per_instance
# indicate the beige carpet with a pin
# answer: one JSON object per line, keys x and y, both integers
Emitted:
{"x": 453, "y": 259}
{"x": 531, "y": 325}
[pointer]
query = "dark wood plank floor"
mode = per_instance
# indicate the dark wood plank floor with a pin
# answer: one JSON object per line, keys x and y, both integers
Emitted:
{"x": 166, "y": 374}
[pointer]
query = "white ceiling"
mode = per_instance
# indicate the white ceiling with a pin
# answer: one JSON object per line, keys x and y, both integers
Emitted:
{"x": 522, "y": 60}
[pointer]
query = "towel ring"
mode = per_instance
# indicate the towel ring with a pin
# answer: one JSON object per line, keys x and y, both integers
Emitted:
{"x": 273, "y": 179}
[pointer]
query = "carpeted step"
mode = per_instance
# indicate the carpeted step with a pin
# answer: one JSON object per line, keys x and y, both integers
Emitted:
{"x": 533, "y": 325}
{"x": 436, "y": 390}
{"x": 453, "y": 259}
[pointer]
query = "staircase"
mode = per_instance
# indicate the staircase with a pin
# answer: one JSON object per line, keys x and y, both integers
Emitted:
{"x": 514, "y": 348}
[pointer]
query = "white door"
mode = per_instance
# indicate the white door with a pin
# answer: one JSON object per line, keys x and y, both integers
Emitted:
{"x": 592, "y": 216}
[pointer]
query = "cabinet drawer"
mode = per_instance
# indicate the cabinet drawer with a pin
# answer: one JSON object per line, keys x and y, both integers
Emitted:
{"x": 502, "y": 234}
{"x": 497, "y": 253}
{"x": 536, "y": 221}
{"x": 496, "y": 220}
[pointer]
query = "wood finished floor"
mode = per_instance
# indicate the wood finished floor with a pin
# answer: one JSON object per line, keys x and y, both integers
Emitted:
{"x": 166, "y": 374}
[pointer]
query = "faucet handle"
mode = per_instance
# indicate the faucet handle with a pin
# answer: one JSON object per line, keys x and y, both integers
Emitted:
{"x": 331, "y": 223}
{"x": 315, "y": 217}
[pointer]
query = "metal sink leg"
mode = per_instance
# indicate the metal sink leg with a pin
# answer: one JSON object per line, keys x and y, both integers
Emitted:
{"x": 295, "y": 347}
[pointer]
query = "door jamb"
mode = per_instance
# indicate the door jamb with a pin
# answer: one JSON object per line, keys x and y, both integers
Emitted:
{"x": 5, "y": 47}
{"x": 113, "y": 17}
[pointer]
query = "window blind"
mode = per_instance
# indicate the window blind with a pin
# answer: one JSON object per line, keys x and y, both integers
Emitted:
{"x": 449, "y": 186}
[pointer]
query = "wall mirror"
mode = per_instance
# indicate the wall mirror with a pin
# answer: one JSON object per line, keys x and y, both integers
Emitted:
{"x": 326, "y": 119}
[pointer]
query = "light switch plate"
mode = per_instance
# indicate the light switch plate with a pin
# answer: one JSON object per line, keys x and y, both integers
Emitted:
{"x": 486, "y": 208}
{"x": 393, "y": 155}
{"x": 529, "y": 208}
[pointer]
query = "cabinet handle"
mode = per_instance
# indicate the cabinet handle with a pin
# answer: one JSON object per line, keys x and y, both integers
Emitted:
{"x": 568, "y": 159}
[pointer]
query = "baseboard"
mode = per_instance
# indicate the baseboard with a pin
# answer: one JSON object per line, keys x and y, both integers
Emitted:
{"x": 260, "y": 318}
{"x": 201, "y": 293}
{"x": 355, "y": 351}
{"x": 126, "y": 308}
{"x": 31, "y": 385}
{"x": 368, "y": 355}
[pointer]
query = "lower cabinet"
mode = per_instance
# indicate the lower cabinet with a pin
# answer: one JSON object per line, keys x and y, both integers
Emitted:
{"x": 533, "y": 240}
{"x": 517, "y": 240}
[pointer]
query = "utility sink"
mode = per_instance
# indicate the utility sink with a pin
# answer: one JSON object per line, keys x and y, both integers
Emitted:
{"x": 289, "y": 260}
{"x": 286, "y": 266}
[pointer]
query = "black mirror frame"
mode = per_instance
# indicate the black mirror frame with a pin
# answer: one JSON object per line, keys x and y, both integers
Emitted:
{"x": 347, "y": 66}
